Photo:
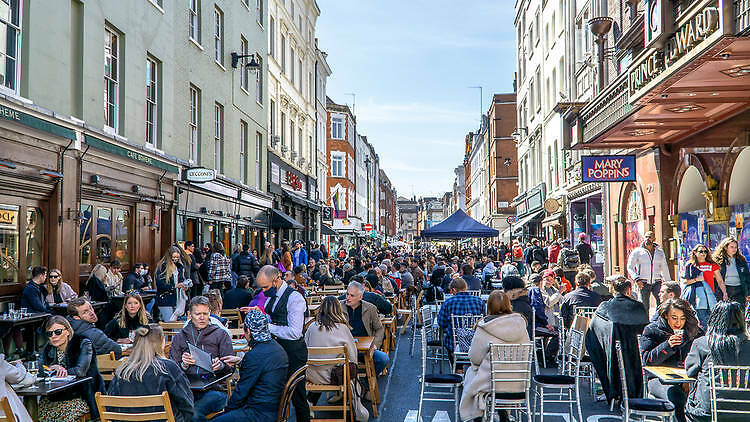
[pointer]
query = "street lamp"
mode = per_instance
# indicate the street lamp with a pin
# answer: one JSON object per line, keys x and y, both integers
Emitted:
{"x": 253, "y": 65}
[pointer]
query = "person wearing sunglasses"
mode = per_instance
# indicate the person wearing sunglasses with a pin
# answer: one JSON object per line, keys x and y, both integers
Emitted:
{"x": 58, "y": 291}
{"x": 66, "y": 353}
{"x": 702, "y": 276}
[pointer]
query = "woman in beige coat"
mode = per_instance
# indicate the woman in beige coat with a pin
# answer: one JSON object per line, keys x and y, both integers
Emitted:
{"x": 330, "y": 329}
{"x": 14, "y": 374}
{"x": 500, "y": 326}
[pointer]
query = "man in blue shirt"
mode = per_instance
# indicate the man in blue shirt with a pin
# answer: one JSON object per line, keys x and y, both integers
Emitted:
{"x": 462, "y": 303}
{"x": 34, "y": 294}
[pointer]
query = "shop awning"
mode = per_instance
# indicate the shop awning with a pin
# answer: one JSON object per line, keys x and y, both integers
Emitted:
{"x": 518, "y": 226}
{"x": 326, "y": 230}
{"x": 553, "y": 220}
{"x": 301, "y": 201}
{"x": 280, "y": 220}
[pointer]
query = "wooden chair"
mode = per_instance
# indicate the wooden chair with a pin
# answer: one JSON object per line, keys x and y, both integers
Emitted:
{"x": 134, "y": 402}
{"x": 286, "y": 395}
{"x": 107, "y": 365}
{"x": 314, "y": 358}
{"x": 8, "y": 412}
{"x": 237, "y": 332}
{"x": 171, "y": 328}
{"x": 231, "y": 316}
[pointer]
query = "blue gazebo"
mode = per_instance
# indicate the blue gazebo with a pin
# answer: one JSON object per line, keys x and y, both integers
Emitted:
{"x": 459, "y": 226}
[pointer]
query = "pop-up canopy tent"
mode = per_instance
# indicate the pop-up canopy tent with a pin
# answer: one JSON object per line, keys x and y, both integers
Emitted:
{"x": 459, "y": 226}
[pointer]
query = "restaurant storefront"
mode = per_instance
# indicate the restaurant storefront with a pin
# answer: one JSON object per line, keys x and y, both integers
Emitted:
{"x": 529, "y": 213}
{"x": 294, "y": 196}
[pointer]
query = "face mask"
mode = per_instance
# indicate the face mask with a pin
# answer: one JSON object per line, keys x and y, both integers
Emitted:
{"x": 271, "y": 292}
{"x": 144, "y": 272}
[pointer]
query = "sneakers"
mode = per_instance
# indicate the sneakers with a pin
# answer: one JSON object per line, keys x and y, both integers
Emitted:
{"x": 336, "y": 398}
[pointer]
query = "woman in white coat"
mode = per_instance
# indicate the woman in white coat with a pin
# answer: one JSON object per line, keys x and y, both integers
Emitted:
{"x": 14, "y": 374}
{"x": 500, "y": 326}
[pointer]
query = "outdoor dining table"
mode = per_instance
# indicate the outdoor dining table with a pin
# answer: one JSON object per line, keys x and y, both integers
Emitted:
{"x": 669, "y": 374}
{"x": 205, "y": 384}
{"x": 35, "y": 320}
{"x": 41, "y": 388}
{"x": 366, "y": 346}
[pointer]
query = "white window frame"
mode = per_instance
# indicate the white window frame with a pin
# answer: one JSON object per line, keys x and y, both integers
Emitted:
{"x": 219, "y": 36}
{"x": 259, "y": 80}
{"x": 10, "y": 85}
{"x": 259, "y": 12}
{"x": 243, "y": 151}
{"x": 337, "y": 128}
{"x": 258, "y": 159}
{"x": 338, "y": 164}
{"x": 152, "y": 101}
{"x": 273, "y": 117}
{"x": 283, "y": 129}
{"x": 244, "y": 71}
{"x": 111, "y": 80}
{"x": 194, "y": 21}
{"x": 218, "y": 137}
{"x": 272, "y": 36}
{"x": 283, "y": 54}
{"x": 291, "y": 135}
{"x": 291, "y": 63}
{"x": 193, "y": 123}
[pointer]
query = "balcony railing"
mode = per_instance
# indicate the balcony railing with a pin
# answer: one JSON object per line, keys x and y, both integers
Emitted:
{"x": 608, "y": 108}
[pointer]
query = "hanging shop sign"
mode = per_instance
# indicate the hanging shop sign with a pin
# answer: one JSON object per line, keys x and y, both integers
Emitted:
{"x": 200, "y": 175}
{"x": 294, "y": 181}
{"x": 608, "y": 168}
{"x": 129, "y": 154}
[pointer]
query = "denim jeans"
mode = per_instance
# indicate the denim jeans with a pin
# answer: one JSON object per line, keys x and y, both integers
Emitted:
{"x": 379, "y": 359}
{"x": 208, "y": 402}
{"x": 702, "y": 315}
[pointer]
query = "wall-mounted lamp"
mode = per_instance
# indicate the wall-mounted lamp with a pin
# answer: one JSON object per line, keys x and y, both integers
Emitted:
{"x": 517, "y": 133}
{"x": 507, "y": 162}
{"x": 96, "y": 179}
{"x": 252, "y": 65}
{"x": 135, "y": 188}
{"x": 51, "y": 174}
{"x": 151, "y": 224}
{"x": 7, "y": 165}
{"x": 111, "y": 193}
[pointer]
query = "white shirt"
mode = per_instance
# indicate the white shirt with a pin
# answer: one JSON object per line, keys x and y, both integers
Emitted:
{"x": 295, "y": 308}
{"x": 641, "y": 265}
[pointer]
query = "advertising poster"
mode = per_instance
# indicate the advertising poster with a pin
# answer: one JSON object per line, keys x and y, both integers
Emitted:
{"x": 716, "y": 232}
{"x": 633, "y": 236}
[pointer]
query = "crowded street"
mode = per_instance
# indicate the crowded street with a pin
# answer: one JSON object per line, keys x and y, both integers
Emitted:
{"x": 350, "y": 211}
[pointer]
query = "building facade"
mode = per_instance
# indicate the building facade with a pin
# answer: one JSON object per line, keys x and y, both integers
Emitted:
{"x": 407, "y": 219}
{"x": 292, "y": 118}
{"x": 429, "y": 212}
{"x": 459, "y": 189}
{"x": 366, "y": 185}
{"x": 95, "y": 149}
{"x": 478, "y": 178}
{"x": 502, "y": 163}
{"x": 387, "y": 206}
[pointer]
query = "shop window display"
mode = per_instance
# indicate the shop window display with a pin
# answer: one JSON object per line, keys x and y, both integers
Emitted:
{"x": 34, "y": 239}
{"x": 9, "y": 244}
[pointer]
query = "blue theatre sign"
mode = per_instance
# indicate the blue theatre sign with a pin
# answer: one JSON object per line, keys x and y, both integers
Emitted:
{"x": 608, "y": 168}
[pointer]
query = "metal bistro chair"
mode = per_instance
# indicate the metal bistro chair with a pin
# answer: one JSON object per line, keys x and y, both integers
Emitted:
{"x": 566, "y": 382}
{"x": 436, "y": 387}
{"x": 730, "y": 385}
{"x": 510, "y": 369}
{"x": 286, "y": 395}
{"x": 585, "y": 311}
{"x": 477, "y": 293}
{"x": 462, "y": 327}
{"x": 430, "y": 329}
{"x": 640, "y": 407}
{"x": 537, "y": 341}
{"x": 416, "y": 324}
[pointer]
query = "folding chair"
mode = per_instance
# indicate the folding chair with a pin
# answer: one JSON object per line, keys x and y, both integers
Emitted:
{"x": 640, "y": 407}
{"x": 8, "y": 415}
{"x": 565, "y": 382}
{"x": 134, "y": 402}
{"x": 433, "y": 386}
{"x": 286, "y": 395}
{"x": 434, "y": 345}
{"x": 510, "y": 369}
{"x": 477, "y": 293}
{"x": 585, "y": 311}
{"x": 463, "y": 331}
{"x": 730, "y": 390}
{"x": 107, "y": 365}
{"x": 333, "y": 356}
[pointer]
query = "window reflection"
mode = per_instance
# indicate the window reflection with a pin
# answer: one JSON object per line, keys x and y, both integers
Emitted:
{"x": 85, "y": 234}
{"x": 34, "y": 239}
{"x": 122, "y": 222}
{"x": 9, "y": 244}
{"x": 103, "y": 235}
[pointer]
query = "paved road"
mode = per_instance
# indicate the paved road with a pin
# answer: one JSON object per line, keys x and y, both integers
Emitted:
{"x": 400, "y": 395}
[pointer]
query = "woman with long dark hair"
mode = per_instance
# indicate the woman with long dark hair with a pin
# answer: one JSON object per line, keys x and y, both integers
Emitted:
{"x": 725, "y": 343}
{"x": 734, "y": 270}
{"x": 701, "y": 277}
{"x": 666, "y": 342}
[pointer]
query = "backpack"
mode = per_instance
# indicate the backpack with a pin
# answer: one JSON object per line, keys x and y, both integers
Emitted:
{"x": 569, "y": 258}
{"x": 517, "y": 252}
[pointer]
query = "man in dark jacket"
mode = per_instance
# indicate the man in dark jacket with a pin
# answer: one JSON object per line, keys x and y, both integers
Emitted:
{"x": 538, "y": 253}
{"x": 515, "y": 288}
{"x": 263, "y": 374}
{"x": 83, "y": 319}
{"x": 245, "y": 263}
{"x": 316, "y": 253}
{"x": 239, "y": 296}
{"x": 34, "y": 294}
{"x": 584, "y": 249}
{"x": 213, "y": 340}
{"x": 582, "y": 296}
{"x": 134, "y": 279}
{"x": 467, "y": 273}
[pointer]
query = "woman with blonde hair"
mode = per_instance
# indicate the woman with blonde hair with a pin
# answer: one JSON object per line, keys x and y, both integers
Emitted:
{"x": 267, "y": 257}
{"x": 95, "y": 284}
{"x": 171, "y": 283}
{"x": 733, "y": 269}
{"x": 132, "y": 315}
{"x": 331, "y": 329}
{"x": 148, "y": 372}
{"x": 58, "y": 291}
{"x": 500, "y": 326}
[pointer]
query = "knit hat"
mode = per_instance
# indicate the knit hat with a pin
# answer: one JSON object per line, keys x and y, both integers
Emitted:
{"x": 512, "y": 282}
{"x": 256, "y": 322}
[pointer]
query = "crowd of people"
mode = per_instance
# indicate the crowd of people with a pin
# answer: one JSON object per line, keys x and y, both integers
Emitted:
{"x": 694, "y": 322}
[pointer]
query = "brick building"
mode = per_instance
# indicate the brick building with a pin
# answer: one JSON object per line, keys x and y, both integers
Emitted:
{"x": 387, "y": 199}
{"x": 340, "y": 188}
{"x": 503, "y": 161}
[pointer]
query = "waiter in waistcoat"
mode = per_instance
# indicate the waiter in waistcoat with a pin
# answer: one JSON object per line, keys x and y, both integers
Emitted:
{"x": 286, "y": 307}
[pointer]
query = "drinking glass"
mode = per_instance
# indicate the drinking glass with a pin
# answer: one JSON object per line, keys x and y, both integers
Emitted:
{"x": 12, "y": 310}
{"x": 32, "y": 367}
{"x": 24, "y": 312}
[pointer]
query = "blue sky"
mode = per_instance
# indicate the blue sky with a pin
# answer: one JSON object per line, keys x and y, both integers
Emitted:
{"x": 411, "y": 63}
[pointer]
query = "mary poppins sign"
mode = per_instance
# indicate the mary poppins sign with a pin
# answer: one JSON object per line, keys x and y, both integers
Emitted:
{"x": 608, "y": 168}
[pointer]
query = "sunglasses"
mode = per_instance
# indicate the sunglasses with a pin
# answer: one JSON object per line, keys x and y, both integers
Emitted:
{"x": 54, "y": 276}
{"x": 55, "y": 332}
{"x": 133, "y": 292}
{"x": 701, "y": 251}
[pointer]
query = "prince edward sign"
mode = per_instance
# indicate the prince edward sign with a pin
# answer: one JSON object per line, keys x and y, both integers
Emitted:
{"x": 608, "y": 168}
